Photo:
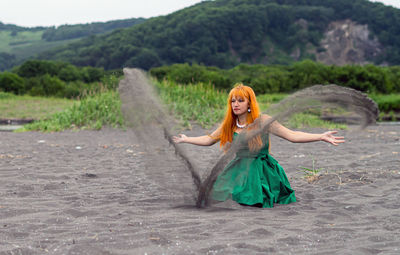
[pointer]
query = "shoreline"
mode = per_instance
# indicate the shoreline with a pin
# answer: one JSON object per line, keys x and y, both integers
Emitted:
{"x": 11, "y": 125}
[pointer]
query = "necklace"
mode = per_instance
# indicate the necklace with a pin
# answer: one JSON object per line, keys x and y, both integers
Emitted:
{"x": 240, "y": 126}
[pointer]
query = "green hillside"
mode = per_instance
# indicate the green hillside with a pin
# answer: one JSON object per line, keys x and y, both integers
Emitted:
{"x": 26, "y": 43}
{"x": 225, "y": 33}
{"x": 19, "y": 43}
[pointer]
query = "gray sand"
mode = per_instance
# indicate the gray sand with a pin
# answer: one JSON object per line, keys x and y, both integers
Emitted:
{"x": 102, "y": 192}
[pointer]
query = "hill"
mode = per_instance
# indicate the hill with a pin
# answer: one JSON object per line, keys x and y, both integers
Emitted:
{"x": 19, "y": 43}
{"x": 225, "y": 33}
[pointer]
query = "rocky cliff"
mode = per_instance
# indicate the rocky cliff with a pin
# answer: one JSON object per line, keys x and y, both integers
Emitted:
{"x": 346, "y": 42}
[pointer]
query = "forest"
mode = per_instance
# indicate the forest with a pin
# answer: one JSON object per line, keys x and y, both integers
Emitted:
{"x": 18, "y": 44}
{"x": 65, "y": 32}
{"x": 225, "y": 33}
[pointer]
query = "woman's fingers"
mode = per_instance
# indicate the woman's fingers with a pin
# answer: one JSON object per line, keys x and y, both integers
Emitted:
{"x": 178, "y": 139}
{"x": 330, "y": 138}
{"x": 175, "y": 139}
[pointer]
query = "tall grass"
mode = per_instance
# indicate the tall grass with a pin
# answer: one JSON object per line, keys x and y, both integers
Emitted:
{"x": 265, "y": 100}
{"x": 30, "y": 107}
{"x": 92, "y": 112}
{"x": 194, "y": 102}
{"x": 200, "y": 103}
{"x": 308, "y": 120}
{"x": 390, "y": 102}
{"x": 206, "y": 105}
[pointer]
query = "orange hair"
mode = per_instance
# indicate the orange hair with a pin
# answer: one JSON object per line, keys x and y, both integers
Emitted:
{"x": 229, "y": 123}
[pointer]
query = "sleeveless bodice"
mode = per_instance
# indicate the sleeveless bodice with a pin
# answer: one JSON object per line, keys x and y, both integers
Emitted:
{"x": 245, "y": 152}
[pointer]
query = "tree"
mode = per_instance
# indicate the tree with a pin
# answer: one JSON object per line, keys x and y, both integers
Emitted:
{"x": 10, "y": 82}
{"x": 70, "y": 73}
{"x": 48, "y": 86}
{"x": 145, "y": 59}
{"x": 33, "y": 68}
{"x": 7, "y": 61}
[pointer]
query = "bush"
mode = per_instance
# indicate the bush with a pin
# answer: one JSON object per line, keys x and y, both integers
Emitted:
{"x": 4, "y": 95}
{"x": 46, "y": 85}
{"x": 10, "y": 82}
{"x": 74, "y": 89}
{"x": 34, "y": 68}
{"x": 69, "y": 73}
{"x": 387, "y": 103}
{"x": 189, "y": 74}
{"x": 92, "y": 74}
{"x": 145, "y": 59}
{"x": 273, "y": 79}
{"x": 64, "y": 71}
{"x": 307, "y": 73}
{"x": 53, "y": 78}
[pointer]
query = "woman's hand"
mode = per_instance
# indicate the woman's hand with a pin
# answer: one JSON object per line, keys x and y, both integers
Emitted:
{"x": 181, "y": 138}
{"x": 330, "y": 138}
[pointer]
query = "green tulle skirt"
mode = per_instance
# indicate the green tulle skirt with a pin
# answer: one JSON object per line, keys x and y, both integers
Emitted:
{"x": 254, "y": 179}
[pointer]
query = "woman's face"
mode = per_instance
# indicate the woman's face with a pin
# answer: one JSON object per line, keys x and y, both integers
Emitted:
{"x": 239, "y": 105}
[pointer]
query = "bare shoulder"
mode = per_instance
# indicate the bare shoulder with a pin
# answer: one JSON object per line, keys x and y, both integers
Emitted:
{"x": 265, "y": 117}
{"x": 216, "y": 132}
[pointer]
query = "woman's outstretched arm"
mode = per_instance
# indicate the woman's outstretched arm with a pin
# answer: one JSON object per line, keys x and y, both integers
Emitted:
{"x": 205, "y": 140}
{"x": 302, "y": 137}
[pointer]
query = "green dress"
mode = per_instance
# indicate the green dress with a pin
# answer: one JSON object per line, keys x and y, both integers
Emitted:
{"x": 254, "y": 178}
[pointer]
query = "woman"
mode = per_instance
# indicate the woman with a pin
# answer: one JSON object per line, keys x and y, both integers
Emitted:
{"x": 254, "y": 177}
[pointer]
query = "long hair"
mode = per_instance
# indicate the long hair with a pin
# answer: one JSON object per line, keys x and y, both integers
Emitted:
{"x": 229, "y": 123}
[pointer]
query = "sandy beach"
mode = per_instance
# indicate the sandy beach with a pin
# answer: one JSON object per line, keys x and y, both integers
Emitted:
{"x": 103, "y": 192}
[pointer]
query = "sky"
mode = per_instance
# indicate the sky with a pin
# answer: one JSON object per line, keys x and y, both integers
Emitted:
{"x": 32, "y": 13}
{"x": 394, "y": 3}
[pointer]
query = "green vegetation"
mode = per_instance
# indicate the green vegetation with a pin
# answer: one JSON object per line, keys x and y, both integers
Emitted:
{"x": 66, "y": 32}
{"x": 381, "y": 83}
{"x": 20, "y": 43}
{"x": 28, "y": 50}
{"x": 308, "y": 120}
{"x": 311, "y": 174}
{"x": 387, "y": 103}
{"x": 272, "y": 79}
{"x": 194, "y": 102}
{"x": 389, "y": 106}
{"x": 28, "y": 107}
{"x": 265, "y": 100}
{"x": 206, "y": 105}
{"x": 17, "y": 44}
{"x": 99, "y": 104}
{"x": 93, "y": 112}
{"x": 225, "y": 33}
{"x": 9, "y": 39}
{"x": 59, "y": 79}
{"x": 203, "y": 101}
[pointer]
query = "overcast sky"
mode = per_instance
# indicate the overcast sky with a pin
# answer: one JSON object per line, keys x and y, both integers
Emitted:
{"x": 31, "y": 13}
